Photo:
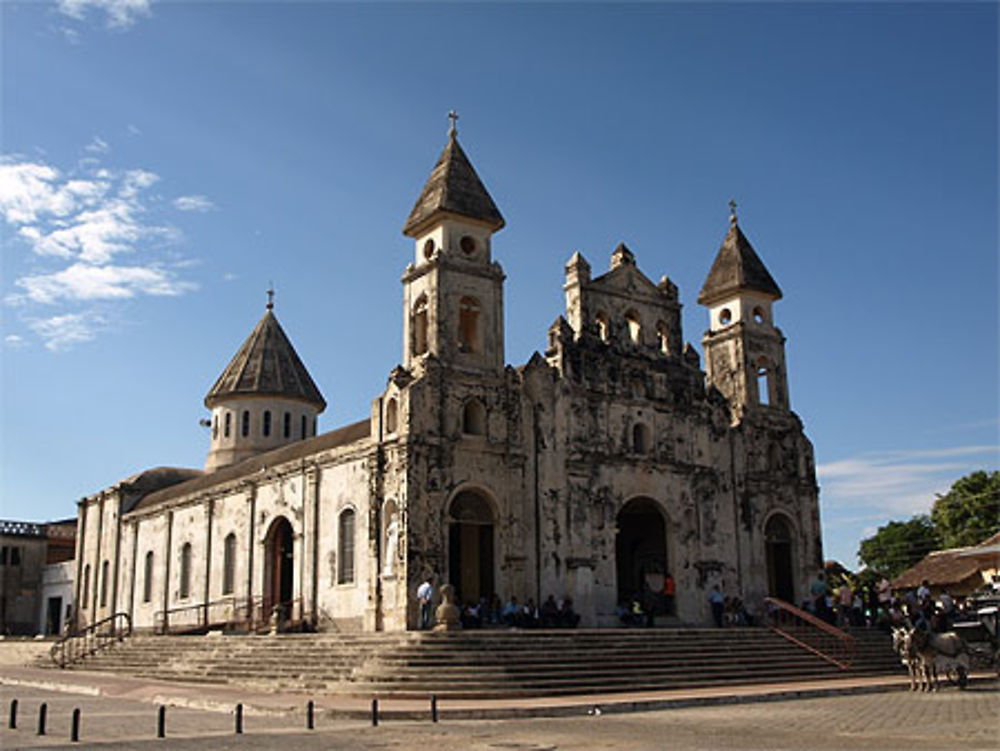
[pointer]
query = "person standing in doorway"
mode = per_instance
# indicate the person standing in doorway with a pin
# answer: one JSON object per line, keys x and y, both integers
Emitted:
{"x": 718, "y": 603}
{"x": 669, "y": 590}
{"x": 425, "y": 596}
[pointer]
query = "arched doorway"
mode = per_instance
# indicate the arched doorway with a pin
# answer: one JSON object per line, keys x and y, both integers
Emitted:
{"x": 278, "y": 568}
{"x": 470, "y": 546}
{"x": 641, "y": 553}
{"x": 778, "y": 551}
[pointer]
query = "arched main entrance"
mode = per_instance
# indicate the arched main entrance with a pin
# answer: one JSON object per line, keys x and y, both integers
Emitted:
{"x": 470, "y": 546}
{"x": 641, "y": 553}
{"x": 278, "y": 568}
{"x": 778, "y": 551}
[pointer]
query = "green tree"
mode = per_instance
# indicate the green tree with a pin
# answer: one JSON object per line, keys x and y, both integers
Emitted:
{"x": 970, "y": 511}
{"x": 898, "y": 545}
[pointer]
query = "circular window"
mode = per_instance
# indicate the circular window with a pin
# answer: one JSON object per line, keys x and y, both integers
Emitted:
{"x": 725, "y": 316}
{"x": 428, "y": 249}
{"x": 467, "y": 244}
{"x": 758, "y": 315}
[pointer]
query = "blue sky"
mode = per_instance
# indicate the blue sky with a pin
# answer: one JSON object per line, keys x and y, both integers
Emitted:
{"x": 163, "y": 162}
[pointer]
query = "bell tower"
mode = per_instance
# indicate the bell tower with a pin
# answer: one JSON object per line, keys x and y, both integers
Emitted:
{"x": 453, "y": 290}
{"x": 744, "y": 350}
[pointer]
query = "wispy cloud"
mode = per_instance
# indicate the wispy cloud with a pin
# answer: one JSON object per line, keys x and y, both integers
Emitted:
{"x": 78, "y": 226}
{"x": 193, "y": 203}
{"x": 14, "y": 341}
{"x": 63, "y": 331}
{"x": 118, "y": 14}
{"x": 97, "y": 146}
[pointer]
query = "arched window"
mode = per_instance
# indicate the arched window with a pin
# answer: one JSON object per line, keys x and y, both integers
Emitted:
{"x": 391, "y": 416}
{"x": 86, "y": 585}
{"x": 763, "y": 383}
{"x": 468, "y": 324}
{"x": 147, "y": 578}
{"x": 640, "y": 438}
{"x": 345, "y": 539}
{"x": 185, "y": 570}
{"x": 267, "y": 423}
{"x": 474, "y": 418}
{"x": 634, "y": 326}
{"x": 302, "y": 427}
{"x": 288, "y": 425}
{"x": 215, "y": 427}
{"x": 228, "y": 564}
{"x": 104, "y": 584}
{"x": 419, "y": 326}
{"x": 663, "y": 335}
{"x": 603, "y": 328}
{"x": 245, "y": 423}
{"x": 229, "y": 424}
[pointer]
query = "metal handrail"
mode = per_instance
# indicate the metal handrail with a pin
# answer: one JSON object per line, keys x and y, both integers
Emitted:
{"x": 810, "y": 633}
{"x": 83, "y": 642}
{"x": 251, "y": 614}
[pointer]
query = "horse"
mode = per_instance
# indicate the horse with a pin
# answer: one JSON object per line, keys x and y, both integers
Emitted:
{"x": 946, "y": 652}
{"x": 902, "y": 645}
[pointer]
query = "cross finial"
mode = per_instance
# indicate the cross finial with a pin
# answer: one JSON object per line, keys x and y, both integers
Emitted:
{"x": 732, "y": 211}
{"x": 453, "y": 128}
{"x": 270, "y": 296}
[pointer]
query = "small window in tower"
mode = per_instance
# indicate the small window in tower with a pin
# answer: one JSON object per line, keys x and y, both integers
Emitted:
{"x": 302, "y": 427}
{"x": 419, "y": 326}
{"x": 468, "y": 325}
{"x": 725, "y": 316}
{"x": 763, "y": 384}
{"x": 474, "y": 418}
{"x": 603, "y": 328}
{"x": 640, "y": 438}
{"x": 391, "y": 416}
{"x": 288, "y": 425}
{"x": 215, "y": 427}
{"x": 663, "y": 336}
{"x": 245, "y": 424}
{"x": 758, "y": 315}
{"x": 227, "y": 429}
{"x": 429, "y": 249}
{"x": 267, "y": 423}
{"x": 467, "y": 244}
{"x": 634, "y": 326}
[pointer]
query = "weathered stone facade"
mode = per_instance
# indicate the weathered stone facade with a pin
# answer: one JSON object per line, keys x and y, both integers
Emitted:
{"x": 589, "y": 472}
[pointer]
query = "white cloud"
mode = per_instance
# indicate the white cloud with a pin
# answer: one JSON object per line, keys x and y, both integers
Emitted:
{"x": 63, "y": 331}
{"x": 120, "y": 14}
{"x": 82, "y": 281}
{"x": 97, "y": 146}
{"x": 76, "y": 226}
{"x": 14, "y": 341}
{"x": 193, "y": 203}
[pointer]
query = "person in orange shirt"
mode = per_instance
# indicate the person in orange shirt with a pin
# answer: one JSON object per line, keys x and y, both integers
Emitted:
{"x": 669, "y": 589}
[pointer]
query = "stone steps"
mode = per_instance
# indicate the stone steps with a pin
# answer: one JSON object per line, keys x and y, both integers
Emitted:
{"x": 483, "y": 664}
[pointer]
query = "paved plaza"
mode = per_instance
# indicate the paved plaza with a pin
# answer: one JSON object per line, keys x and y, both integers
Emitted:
{"x": 884, "y": 721}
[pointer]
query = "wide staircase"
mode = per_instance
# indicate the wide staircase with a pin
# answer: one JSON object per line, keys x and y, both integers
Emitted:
{"x": 489, "y": 664}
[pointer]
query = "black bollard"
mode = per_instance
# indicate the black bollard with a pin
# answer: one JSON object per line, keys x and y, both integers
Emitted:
{"x": 310, "y": 718}
{"x": 74, "y": 728}
{"x": 12, "y": 722}
{"x": 42, "y": 711}
{"x": 161, "y": 722}
{"x": 239, "y": 718}
{"x": 434, "y": 708}
{"x": 374, "y": 713}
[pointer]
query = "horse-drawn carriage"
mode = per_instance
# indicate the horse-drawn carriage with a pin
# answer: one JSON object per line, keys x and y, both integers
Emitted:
{"x": 981, "y": 634}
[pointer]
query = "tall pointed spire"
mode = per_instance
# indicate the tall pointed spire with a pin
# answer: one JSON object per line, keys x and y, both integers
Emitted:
{"x": 453, "y": 188}
{"x": 737, "y": 268}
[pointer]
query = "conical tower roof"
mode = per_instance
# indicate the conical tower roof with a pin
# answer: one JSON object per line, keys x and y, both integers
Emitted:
{"x": 453, "y": 188}
{"x": 737, "y": 268}
{"x": 266, "y": 365}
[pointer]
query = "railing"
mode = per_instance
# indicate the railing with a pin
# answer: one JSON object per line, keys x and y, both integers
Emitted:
{"x": 83, "y": 642}
{"x": 231, "y": 613}
{"x": 810, "y": 633}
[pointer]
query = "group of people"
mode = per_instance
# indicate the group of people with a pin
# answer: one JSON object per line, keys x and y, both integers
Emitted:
{"x": 657, "y": 596}
{"x": 492, "y": 612}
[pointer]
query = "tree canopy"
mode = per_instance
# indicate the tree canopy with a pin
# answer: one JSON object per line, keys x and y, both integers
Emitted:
{"x": 966, "y": 515}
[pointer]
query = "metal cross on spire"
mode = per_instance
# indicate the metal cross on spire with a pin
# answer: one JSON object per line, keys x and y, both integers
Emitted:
{"x": 732, "y": 211}
{"x": 453, "y": 128}
{"x": 270, "y": 295}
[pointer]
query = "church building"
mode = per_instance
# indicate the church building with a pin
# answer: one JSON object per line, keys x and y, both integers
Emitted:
{"x": 590, "y": 472}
